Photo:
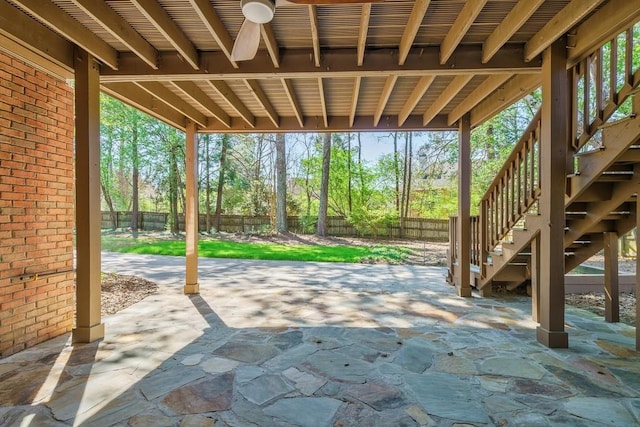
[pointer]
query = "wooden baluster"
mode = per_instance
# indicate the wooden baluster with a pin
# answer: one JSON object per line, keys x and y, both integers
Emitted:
{"x": 613, "y": 72}
{"x": 628, "y": 60}
{"x": 599, "y": 85}
{"x": 586, "y": 114}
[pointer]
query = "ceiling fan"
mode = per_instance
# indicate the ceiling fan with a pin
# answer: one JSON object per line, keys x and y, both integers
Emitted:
{"x": 258, "y": 12}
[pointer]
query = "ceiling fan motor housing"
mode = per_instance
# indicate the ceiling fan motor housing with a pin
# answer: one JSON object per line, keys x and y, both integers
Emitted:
{"x": 258, "y": 11}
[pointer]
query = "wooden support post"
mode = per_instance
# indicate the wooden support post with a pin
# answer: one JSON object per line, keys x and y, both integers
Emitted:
{"x": 191, "y": 210}
{"x": 637, "y": 271}
{"x": 611, "y": 290}
{"x": 553, "y": 152}
{"x": 89, "y": 326}
{"x": 464, "y": 207}
{"x": 535, "y": 279}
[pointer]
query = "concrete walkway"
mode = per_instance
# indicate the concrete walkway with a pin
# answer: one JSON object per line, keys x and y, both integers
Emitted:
{"x": 311, "y": 344}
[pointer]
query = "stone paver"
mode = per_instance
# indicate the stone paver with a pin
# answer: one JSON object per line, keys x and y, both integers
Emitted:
{"x": 312, "y": 344}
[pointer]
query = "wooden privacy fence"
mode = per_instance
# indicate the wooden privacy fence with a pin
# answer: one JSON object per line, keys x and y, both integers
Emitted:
{"x": 434, "y": 230}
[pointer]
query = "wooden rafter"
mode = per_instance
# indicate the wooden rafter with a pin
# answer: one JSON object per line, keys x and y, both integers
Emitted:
{"x": 154, "y": 12}
{"x": 293, "y": 100}
{"x": 172, "y": 100}
{"x": 411, "y": 30}
{"x": 271, "y": 42}
{"x": 445, "y": 97}
{"x": 384, "y": 97}
{"x": 214, "y": 25}
{"x": 121, "y": 29}
{"x": 315, "y": 37}
{"x": 323, "y": 102}
{"x": 193, "y": 91}
{"x": 263, "y": 99}
{"x": 514, "y": 89}
{"x": 229, "y": 95}
{"x": 54, "y": 17}
{"x": 516, "y": 18}
{"x": 363, "y": 31}
{"x": 568, "y": 17}
{"x": 414, "y": 98}
{"x": 460, "y": 27}
{"x": 487, "y": 87}
{"x": 354, "y": 100}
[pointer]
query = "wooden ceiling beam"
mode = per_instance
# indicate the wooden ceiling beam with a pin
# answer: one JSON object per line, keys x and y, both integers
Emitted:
{"x": 389, "y": 84}
{"x": 447, "y": 95}
{"x": 51, "y": 15}
{"x": 263, "y": 99}
{"x": 463, "y": 22}
{"x": 559, "y": 25}
{"x": 159, "y": 18}
{"x": 174, "y": 101}
{"x": 514, "y": 89}
{"x": 23, "y": 36}
{"x": 315, "y": 36}
{"x": 138, "y": 98}
{"x": 214, "y": 25}
{"x": 516, "y": 18}
{"x": 415, "y": 97}
{"x": 293, "y": 100}
{"x": 336, "y": 124}
{"x": 411, "y": 29}
{"x": 323, "y": 102}
{"x": 229, "y": 95}
{"x": 363, "y": 31}
{"x": 120, "y": 29}
{"x": 354, "y": 100}
{"x": 486, "y": 88}
{"x": 612, "y": 19}
{"x": 339, "y": 63}
{"x": 193, "y": 91}
{"x": 272, "y": 44}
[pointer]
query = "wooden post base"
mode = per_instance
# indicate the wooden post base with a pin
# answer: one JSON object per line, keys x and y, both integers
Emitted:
{"x": 88, "y": 334}
{"x": 552, "y": 339}
{"x": 192, "y": 289}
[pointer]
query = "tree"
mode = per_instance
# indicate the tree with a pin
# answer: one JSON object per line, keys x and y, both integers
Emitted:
{"x": 324, "y": 187}
{"x": 281, "y": 184}
{"x": 223, "y": 161}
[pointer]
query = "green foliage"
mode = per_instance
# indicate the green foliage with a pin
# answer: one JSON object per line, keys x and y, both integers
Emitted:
{"x": 370, "y": 221}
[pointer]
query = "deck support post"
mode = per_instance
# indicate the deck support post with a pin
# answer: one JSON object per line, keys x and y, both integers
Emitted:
{"x": 89, "y": 326}
{"x": 535, "y": 279}
{"x": 637, "y": 271}
{"x": 553, "y": 155}
{"x": 611, "y": 289}
{"x": 463, "y": 284}
{"x": 191, "y": 210}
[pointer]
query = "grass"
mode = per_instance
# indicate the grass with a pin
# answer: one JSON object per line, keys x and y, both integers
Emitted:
{"x": 263, "y": 251}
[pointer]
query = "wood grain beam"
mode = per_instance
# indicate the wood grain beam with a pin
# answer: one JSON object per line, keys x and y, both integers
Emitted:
{"x": 323, "y": 102}
{"x": 363, "y": 31}
{"x": 138, "y": 98}
{"x": 315, "y": 37}
{"x": 447, "y": 95}
{"x": 272, "y": 44}
{"x": 120, "y": 29}
{"x": 463, "y": 22}
{"x": 293, "y": 100}
{"x": 28, "y": 39}
{"x": 562, "y": 22}
{"x": 384, "y": 97}
{"x": 263, "y": 99}
{"x": 514, "y": 89}
{"x": 214, "y": 25}
{"x": 51, "y": 15}
{"x": 485, "y": 89}
{"x": 193, "y": 91}
{"x": 338, "y": 63}
{"x": 229, "y": 95}
{"x": 418, "y": 92}
{"x": 411, "y": 29}
{"x": 159, "y": 18}
{"x": 174, "y": 101}
{"x": 516, "y": 18}
{"x": 354, "y": 100}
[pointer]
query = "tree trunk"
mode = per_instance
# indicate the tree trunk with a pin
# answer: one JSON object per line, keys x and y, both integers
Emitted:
{"x": 223, "y": 161}
{"x": 349, "y": 198}
{"x": 207, "y": 182}
{"x": 173, "y": 192}
{"x": 396, "y": 170}
{"x": 135, "y": 175}
{"x": 281, "y": 185}
{"x": 409, "y": 162}
{"x": 112, "y": 212}
{"x": 324, "y": 186}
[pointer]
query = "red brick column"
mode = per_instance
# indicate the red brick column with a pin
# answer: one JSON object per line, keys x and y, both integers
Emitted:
{"x": 36, "y": 206}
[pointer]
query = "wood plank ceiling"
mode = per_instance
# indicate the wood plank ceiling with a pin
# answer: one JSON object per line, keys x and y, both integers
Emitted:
{"x": 398, "y": 64}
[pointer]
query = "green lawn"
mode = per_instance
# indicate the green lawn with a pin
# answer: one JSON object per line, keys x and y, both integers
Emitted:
{"x": 226, "y": 249}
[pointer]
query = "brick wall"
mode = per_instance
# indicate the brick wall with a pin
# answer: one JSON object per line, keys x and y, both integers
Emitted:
{"x": 36, "y": 206}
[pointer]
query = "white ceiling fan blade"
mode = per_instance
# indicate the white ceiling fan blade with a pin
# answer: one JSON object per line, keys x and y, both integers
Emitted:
{"x": 247, "y": 42}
